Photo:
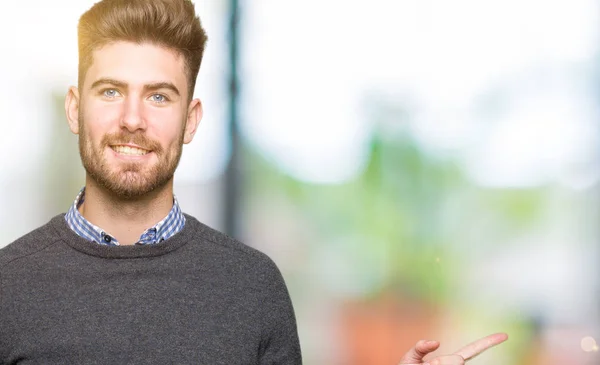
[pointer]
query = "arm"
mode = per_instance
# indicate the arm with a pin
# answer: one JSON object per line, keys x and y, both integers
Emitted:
{"x": 3, "y": 335}
{"x": 279, "y": 343}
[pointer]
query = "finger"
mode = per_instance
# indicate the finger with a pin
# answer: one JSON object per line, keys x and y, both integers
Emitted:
{"x": 446, "y": 360}
{"x": 416, "y": 354}
{"x": 475, "y": 348}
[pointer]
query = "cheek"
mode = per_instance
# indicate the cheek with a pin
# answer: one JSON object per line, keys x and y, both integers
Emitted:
{"x": 101, "y": 118}
{"x": 167, "y": 127}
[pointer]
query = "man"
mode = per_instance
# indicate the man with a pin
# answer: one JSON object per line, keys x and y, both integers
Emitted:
{"x": 124, "y": 276}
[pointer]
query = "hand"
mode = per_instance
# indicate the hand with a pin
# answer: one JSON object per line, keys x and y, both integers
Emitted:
{"x": 415, "y": 355}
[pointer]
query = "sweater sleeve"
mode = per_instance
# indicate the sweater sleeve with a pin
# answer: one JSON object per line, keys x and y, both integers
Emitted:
{"x": 3, "y": 334}
{"x": 279, "y": 344}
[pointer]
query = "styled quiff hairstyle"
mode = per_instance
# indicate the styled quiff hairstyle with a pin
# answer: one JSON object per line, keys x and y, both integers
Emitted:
{"x": 172, "y": 24}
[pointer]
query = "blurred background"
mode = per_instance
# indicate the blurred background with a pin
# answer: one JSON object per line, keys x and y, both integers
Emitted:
{"x": 416, "y": 168}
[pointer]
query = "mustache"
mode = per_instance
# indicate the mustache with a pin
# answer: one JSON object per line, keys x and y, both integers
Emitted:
{"x": 133, "y": 138}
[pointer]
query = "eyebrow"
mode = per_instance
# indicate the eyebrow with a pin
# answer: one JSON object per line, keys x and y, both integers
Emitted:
{"x": 149, "y": 87}
{"x": 108, "y": 81}
{"x": 162, "y": 85}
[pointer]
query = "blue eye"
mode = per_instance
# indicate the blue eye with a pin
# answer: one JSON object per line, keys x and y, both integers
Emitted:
{"x": 110, "y": 93}
{"x": 158, "y": 98}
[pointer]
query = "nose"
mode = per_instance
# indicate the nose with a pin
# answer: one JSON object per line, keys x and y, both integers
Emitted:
{"x": 132, "y": 118}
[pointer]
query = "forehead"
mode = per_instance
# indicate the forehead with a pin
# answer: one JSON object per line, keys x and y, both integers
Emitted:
{"x": 137, "y": 64}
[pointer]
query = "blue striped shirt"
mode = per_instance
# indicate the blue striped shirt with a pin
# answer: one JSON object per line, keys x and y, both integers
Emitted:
{"x": 166, "y": 228}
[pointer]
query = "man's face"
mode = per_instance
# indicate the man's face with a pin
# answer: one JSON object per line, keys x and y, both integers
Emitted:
{"x": 133, "y": 117}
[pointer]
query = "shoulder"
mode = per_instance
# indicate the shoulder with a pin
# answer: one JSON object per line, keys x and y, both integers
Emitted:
{"x": 229, "y": 248}
{"x": 31, "y": 243}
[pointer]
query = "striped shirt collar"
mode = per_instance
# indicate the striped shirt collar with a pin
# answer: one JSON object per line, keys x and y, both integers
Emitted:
{"x": 166, "y": 228}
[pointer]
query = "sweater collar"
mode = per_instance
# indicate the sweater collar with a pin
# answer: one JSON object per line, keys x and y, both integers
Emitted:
{"x": 192, "y": 230}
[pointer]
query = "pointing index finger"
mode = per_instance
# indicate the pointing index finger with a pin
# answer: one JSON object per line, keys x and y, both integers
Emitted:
{"x": 475, "y": 348}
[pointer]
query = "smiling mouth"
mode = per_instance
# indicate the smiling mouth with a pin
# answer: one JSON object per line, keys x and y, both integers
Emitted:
{"x": 129, "y": 151}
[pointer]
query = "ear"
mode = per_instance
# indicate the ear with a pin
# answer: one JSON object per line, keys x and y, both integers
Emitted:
{"x": 72, "y": 109}
{"x": 193, "y": 120}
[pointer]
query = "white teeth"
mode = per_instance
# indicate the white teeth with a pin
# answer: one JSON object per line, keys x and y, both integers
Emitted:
{"x": 132, "y": 151}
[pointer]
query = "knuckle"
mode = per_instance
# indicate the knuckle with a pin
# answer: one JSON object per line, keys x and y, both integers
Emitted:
{"x": 419, "y": 348}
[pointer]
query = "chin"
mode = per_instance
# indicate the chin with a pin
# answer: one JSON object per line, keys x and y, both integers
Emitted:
{"x": 131, "y": 185}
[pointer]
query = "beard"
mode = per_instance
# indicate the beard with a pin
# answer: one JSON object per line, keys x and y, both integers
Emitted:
{"x": 128, "y": 180}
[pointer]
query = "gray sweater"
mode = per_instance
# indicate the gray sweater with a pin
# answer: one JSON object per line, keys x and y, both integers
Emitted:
{"x": 199, "y": 297}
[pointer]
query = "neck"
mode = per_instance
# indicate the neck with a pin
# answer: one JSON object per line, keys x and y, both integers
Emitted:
{"x": 125, "y": 219}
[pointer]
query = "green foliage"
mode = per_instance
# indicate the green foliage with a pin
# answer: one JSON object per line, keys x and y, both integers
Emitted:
{"x": 390, "y": 223}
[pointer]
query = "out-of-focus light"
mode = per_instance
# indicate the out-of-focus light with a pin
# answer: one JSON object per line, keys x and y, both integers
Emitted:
{"x": 536, "y": 144}
{"x": 588, "y": 344}
{"x": 304, "y": 86}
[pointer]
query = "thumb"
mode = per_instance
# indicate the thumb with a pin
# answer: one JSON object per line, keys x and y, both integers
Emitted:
{"x": 415, "y": 355}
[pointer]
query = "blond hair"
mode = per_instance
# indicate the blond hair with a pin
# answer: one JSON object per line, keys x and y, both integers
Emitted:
{"x": 172, "y": 24}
